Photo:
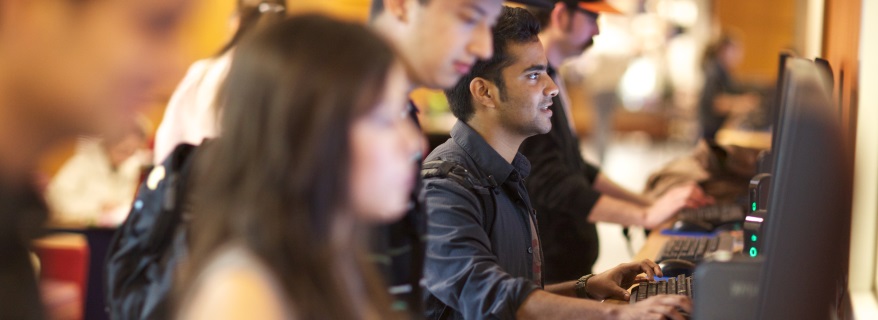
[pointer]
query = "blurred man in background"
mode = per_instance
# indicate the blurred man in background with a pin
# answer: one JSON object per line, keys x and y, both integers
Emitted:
{"x": 721, "y": 96}
{"x": 67, "y": 68}
{"x": 569, "y": 194}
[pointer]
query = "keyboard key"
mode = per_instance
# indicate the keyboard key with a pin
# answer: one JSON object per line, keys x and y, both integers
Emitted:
{"x": 681, "y": 285}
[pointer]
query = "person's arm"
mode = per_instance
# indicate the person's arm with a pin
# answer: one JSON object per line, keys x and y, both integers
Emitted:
{"x": 605, "y": 185}
{"x": 609, "y": 209}
{"x": 729, "y": 103}
{"x": 460, "y": 269}
{"x": 610, "y": 284}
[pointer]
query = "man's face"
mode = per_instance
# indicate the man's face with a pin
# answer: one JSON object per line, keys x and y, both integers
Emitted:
{"x": 447, "y": 38}
{"x": 524, "y": 105}
{"x": 581, "y": 30}
{"x": 80, "y": 66}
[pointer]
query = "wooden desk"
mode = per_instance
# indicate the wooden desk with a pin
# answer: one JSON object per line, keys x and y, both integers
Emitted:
{"x": 743, "y": 138}
{"x": 652, "y": 246}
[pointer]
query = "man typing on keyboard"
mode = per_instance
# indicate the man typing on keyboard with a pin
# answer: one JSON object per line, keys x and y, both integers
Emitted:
{"x": 484, "y": 256}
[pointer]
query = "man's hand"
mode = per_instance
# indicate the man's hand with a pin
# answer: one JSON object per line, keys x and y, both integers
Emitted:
{"x": 614, "y": 283}
{"x": 686, "y": 196}
{"x": 658, "y": 307}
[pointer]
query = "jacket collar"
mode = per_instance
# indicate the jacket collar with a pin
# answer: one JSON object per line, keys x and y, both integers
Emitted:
{"x": 486, "y": 158}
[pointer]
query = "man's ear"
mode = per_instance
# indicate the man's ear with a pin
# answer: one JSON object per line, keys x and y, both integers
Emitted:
{"x": 484, "y": 92}
{"x": 560, "y": 16}
{"x": 398, "y": 9}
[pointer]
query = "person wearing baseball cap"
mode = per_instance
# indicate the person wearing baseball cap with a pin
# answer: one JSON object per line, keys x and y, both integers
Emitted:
{"x": 569, "y": 194}
{"x": 438, "y": 42}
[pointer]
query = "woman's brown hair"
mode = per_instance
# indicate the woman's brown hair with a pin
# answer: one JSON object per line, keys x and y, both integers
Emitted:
{"x": 252, "y": 15}
{"x": 277, "y": 178}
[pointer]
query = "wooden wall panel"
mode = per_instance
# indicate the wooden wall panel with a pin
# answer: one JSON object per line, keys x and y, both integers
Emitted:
{"x": 764, "y": 27}
{"x": 841, "y": 47}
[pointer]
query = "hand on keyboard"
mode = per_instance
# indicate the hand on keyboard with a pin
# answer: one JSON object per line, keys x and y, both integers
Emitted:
{"x": 613, "y": 283}
{"x": 665, "y": 207}
{"x": 658, "y": 307}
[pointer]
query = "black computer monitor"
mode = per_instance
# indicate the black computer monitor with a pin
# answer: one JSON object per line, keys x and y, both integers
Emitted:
{"x": 766, "y": 158}
{"x": 807, "y": 229}
{"x": 777, "y": 106}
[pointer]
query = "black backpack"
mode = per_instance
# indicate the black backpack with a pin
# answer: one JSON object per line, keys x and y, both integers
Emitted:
{"x": 485, "y": 189}
{"x": 148, "y": 247}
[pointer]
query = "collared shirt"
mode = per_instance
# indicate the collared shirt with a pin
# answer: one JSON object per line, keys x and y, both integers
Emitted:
{"x": 469, "y": 273}
{"x": 561, "y": 185}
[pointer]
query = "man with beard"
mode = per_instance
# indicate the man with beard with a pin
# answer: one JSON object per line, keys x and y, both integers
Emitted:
{"x": 484, "y": 262}
{"x": 570, "y": 195}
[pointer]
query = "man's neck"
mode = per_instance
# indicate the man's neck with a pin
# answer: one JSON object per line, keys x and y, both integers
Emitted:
{"x": 505, "y": 143}
{"x": 554, "y": 52}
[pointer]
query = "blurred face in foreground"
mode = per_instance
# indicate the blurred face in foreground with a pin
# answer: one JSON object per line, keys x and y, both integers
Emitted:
{"x": 384, "y": 143}
{"x": 78, "y": 67}
{"x": 440, "y": 41}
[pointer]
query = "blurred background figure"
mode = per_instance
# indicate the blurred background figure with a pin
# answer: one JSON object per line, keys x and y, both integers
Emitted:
{"x": 191, "y": 115}
{"x": 721, "y": 96}
{"x": 96, "y": 186}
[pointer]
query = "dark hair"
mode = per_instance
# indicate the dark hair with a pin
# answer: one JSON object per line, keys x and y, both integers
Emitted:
{"x": 254, "y": 14}
{"x": 277, "y": 179}
{"x": 715, "y": 47}
{"x": 515, "y": 25}
{"x": 544, "y": 15}
{"x": 378, "y": 7}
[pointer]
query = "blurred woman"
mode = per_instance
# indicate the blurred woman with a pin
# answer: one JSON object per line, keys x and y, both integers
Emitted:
{"x": 721, "y": 96}
{"x": 315, "y": 144}
{"x": 191, "y": 115}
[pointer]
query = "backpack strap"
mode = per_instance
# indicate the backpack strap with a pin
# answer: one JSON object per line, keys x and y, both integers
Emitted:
{"x": 485, "y": 189}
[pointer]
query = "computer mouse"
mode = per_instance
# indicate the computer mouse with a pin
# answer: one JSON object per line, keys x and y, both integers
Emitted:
{"x": 676, "y": 267}
{"x": 692, "y": 226}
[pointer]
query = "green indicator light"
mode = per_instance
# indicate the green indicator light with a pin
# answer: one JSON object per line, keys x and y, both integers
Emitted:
{"x": 754, "y": 207}
{"x": 752, "y": 251}
{"x": 753, "y": 238}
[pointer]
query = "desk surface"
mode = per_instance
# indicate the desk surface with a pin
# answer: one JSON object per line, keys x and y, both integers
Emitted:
{"x": 744, "y": 138}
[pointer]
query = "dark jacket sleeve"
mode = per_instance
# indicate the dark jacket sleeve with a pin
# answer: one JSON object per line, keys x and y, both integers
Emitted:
{"x": 461, "y": 270}
{"x": 556, "y": 185}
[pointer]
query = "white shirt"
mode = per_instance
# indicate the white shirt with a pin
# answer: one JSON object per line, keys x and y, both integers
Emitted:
{"x": 191, "y": 113}
{"x": 87, "y": 191}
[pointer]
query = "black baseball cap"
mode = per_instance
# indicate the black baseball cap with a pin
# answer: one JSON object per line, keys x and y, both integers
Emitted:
{"x": 536, "y": 3}
{"x": 596, "y": 6}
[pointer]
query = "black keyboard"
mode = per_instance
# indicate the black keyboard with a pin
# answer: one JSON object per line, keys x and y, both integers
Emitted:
{"x": 695, "y": 248}
{"x": 714, "y": 214}
{"x": 681, "y": 285}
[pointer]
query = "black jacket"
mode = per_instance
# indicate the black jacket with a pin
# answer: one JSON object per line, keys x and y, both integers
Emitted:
{"x": 22, "y": 215}
{"x": 560, "y": 185}
{"x": 469, "y": 273}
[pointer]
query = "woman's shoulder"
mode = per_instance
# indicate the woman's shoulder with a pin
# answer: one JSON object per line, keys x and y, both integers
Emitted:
{"x": 236, "y": 285}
